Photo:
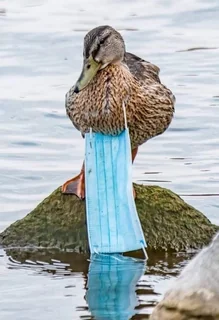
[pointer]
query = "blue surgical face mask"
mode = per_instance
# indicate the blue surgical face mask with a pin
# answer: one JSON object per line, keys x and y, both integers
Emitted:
{"x": 112, "y": 220}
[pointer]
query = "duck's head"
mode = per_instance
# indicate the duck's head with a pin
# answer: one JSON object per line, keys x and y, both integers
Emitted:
{"x": 102, "y": 46}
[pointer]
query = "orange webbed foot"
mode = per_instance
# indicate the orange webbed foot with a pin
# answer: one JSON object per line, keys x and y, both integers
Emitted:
{"x": 75, "y": 185}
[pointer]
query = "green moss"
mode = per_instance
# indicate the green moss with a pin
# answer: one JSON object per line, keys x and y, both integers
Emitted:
{"x": 169, "y": 223}
{"x": 59, "y": 221}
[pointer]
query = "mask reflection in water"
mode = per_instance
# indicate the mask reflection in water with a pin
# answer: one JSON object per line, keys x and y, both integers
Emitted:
{"x": 111, "y": 286}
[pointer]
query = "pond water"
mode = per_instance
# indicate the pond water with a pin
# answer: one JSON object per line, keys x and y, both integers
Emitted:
{"x": 40, "y": 58}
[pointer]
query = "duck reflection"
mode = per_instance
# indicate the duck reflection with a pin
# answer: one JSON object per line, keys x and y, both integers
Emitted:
{"x": 111, "y": 286}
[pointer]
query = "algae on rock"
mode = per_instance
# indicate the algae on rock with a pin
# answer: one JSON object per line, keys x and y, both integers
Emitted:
{"x": 59, "y": 221}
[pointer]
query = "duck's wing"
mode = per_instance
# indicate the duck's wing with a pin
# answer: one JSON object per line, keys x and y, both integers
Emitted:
{"x": 141, "y": 69}
{"x": 148, "y": 75}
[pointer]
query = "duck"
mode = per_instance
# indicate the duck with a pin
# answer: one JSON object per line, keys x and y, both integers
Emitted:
{"x": 112, "y": 78}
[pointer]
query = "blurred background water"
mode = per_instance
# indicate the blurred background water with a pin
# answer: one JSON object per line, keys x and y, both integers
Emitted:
{"x": 40, "y": 58}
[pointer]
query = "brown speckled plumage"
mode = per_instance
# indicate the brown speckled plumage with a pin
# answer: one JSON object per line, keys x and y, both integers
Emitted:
{"x": 132, "y": 81}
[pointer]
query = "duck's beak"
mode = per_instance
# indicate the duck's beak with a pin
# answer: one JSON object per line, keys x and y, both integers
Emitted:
{"x": 90, "y": 68}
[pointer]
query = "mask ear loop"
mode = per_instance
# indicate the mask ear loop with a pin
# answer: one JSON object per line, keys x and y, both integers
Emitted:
{"x": 144, "y": 250}
{"x": 91, "y": 132}
{"x": 125, "y": 115}
{"x": 96, "y": 251}
{"x": 126, "y": 127}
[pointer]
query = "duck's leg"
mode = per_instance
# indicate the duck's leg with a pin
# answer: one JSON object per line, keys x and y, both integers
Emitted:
{"x": 75, "y": 185}
{"x": 134, "y": 153}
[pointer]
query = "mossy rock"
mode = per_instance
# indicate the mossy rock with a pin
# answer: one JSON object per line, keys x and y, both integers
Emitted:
{"x": 58, "y": 221}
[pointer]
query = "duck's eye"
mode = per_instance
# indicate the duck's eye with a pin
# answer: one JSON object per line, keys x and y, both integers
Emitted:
{"x": 101, "y": 42}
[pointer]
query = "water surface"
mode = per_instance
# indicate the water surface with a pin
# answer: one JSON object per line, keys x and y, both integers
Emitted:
{"x": 40, "y": 58}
